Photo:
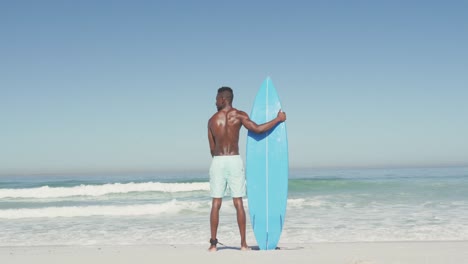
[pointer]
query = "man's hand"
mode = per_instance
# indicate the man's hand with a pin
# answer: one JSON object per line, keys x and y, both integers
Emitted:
{"x": 281, "y": 116}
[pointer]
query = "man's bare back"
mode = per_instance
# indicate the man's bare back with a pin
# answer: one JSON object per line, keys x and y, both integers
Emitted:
{"x": 223, "y": 131}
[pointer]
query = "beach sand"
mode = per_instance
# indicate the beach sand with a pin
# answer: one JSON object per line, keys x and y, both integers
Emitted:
{"x": 347, "y": 253}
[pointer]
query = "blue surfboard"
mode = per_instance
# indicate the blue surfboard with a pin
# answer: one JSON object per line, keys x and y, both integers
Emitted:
{"x": 267, "y": 170}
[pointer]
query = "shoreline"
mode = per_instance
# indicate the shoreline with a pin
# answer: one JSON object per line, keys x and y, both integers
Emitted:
{"x": 325, "y": 252}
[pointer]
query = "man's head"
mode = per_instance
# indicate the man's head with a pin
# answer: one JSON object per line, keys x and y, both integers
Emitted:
{"x": 224, "y": 97}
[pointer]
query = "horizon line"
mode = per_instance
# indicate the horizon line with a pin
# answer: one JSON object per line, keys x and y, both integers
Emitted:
{"x": 200, "y": 170}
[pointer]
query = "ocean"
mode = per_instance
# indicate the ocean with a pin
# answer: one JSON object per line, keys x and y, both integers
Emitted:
{"x": 324, "y": 205}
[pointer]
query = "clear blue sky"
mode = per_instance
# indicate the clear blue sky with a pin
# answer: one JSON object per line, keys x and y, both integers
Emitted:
{"x": 92, "y": 86}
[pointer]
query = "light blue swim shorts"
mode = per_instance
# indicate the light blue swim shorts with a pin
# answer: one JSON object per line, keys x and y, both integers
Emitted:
{"x": 227, "y": 173}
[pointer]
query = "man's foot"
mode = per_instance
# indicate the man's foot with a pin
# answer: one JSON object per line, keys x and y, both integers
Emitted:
{"x": 213, "y": 247}
{"x": 244, "y": 247}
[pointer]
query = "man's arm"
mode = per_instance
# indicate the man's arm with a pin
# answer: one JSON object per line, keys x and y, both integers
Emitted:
{"x": 211, "y": 140}
{"x": 252, "y": 126}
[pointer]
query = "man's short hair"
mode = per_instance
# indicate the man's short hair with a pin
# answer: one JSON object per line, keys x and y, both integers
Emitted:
{"x": 226, "y": 93}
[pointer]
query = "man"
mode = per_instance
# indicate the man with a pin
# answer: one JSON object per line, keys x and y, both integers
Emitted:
{"x": 227, "y": 169}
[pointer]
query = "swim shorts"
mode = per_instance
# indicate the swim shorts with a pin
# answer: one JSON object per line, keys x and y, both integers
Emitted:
{"x": 227, "y": 174}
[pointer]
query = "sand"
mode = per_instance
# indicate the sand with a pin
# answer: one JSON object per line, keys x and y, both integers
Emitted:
{"x": 347, "y": 253}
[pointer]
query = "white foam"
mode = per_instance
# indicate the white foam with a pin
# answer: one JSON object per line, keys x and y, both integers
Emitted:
{"x": 99, "y": 190}
{"x": 301, "y": 202}
{"x": 171, "y": 207}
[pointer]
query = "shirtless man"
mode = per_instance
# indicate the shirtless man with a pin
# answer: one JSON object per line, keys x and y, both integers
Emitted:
{"x": 227, "y": 169}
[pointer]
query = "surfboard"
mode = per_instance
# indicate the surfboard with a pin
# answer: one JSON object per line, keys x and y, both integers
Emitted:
{"x": 267, "y": 170}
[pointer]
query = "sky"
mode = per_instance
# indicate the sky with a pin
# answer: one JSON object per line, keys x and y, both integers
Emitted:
{"x": 128, "y": 86}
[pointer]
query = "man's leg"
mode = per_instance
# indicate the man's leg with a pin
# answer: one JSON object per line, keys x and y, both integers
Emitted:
{"x": 214, "y": 220}
{"x": 238, "y": 204}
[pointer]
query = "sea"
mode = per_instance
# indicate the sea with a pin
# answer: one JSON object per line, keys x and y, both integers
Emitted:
{"x": 324, "y": 205}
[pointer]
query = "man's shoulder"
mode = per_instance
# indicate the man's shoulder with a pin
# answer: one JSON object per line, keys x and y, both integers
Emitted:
{"x": 211, "y": 118}
{"x": 240, "y": 114}
{"x": 236, "y": 111}
{"x": 215, "y": 116}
